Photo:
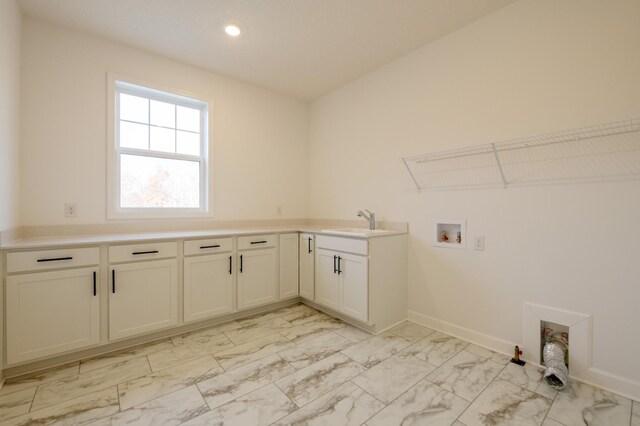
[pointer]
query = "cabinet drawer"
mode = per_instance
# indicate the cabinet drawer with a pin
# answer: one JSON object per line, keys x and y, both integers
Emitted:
{"x": 256, "y": 241}
{"x": 349, "y": 245}
{"x": 213, "y": 245}
{"x": 129, "y": 252}
{"x": 52, "y": 259}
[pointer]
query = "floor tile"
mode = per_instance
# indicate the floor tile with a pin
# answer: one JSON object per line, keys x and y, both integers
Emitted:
{"x": 466, "y": 374}
{"x": 311, "y": 382}
{"x": 199, "y": 335}
{"x": 252, "y": 351}
{"x": 311, "y": 351}
{"x": 551, "y": 422}
{"x": 436, "y": 348}
{"x": 635, "y": 418}
{"x": 16, "y": 403}
{"x": 503, "y": 403}
{"x": 258, "y": 408}
{"x": 254, "y": 331}
{"x": 423, "y": 404}
{"x": 353, "y": 333}
{"x": 486, "y": 353}
{"x": 259, "y": 318}
{"x": 19, "y": 383}
{"x": 189, "y": 351}
{"x": 303, "y": 316}
{"x": 376, "y": 349}
{"x": 347, "y": 405}
{"x": 124, "y": 355}
{"x": 529, "y": 377}
{"x": 75, "y": 386}
{"x": 172, "y": 409}
{"x": 312, "y": 329}
{"x": 411, "y": 331}
{"x": 387, "y": 380}
{"x": 78, "y": 411}
{"x": 235, "y": 383}
{"x": 581, "y": 404}
{"x": 152, "y": 386}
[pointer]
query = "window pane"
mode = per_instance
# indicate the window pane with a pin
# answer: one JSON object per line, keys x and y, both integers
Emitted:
{"x": 188, "y": 119}
{"x": 163, "y": 139}
{"x": 147, "y": 182}
{"x": 134, "y": 135}
{"x": 188, "y": 143}
{"x": 163, "y": 114}
{"x": 134, "y": 108}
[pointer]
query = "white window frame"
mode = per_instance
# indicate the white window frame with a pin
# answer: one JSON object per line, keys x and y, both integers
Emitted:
{"x": 117, "y": 84}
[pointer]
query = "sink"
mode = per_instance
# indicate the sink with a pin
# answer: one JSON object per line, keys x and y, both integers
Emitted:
{"x": 358, "y": 232}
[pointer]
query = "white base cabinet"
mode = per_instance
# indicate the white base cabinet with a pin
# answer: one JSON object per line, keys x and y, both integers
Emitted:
{"x": 143, "y": 297}
{"x": 288, "y": 266}
{"x": 306, "y": 266}
{"x": 51, "y": 312}
{"x": 257, "y": 284}
{"x": 208, "y": 286}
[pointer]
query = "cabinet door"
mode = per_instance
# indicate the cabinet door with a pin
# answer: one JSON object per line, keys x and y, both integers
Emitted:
{"x": 51, "y": 312}
{"x": 327, "y": 283}
{"x": 142, "y": 297}
{"x": 307, "y": 255}
{"x": 208, "y": 286}
{"x": 288, "y": 265}
{"x": 354, "y": 286}
{"x": 256, "y": 278}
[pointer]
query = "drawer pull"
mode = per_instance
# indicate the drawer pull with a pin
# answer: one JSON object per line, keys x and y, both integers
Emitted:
{"x": 206, "y": 247}
{"x": 230, "y": 271}
{"x": 259, "y": 242}
{"x": 94, "y": 283}
{"x": 55, "y": 259}
{"x": 145, "y": 252}
{"x": 335, "y": 268}
{"x": 309, "y": 244}
{"x": 339, "y": 270}
{"x": 240, "y": 263}
{"x": 113, "y": 281}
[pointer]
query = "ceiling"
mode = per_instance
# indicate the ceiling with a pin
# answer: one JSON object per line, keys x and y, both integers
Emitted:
{"x": 303, "y": 48}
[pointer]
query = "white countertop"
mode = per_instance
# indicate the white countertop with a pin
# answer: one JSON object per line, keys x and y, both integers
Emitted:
{"x": 76, "y": 240}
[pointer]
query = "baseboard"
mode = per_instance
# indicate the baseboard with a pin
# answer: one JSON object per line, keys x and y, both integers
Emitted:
{"x": 592, "y": 376}
{"x": 475, "y": 337}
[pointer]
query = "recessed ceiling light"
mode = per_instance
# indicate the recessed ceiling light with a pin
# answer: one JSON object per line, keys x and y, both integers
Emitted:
{"x": 232, "y": 30}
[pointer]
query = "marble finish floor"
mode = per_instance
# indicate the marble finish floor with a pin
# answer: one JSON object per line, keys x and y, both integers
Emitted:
{"x": 298, "y": 366}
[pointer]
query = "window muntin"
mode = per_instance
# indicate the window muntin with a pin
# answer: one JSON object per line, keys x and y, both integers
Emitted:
{"x": 161, "y": 152}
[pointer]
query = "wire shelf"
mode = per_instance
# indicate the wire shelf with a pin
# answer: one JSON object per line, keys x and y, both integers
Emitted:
{"x": 601, "y": 152}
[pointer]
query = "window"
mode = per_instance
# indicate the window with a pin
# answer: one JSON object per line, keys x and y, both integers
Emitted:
{"x": 159, "y": 157}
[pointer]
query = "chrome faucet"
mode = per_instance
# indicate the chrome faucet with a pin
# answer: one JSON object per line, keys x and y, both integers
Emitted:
{"x": 371, "y": 218}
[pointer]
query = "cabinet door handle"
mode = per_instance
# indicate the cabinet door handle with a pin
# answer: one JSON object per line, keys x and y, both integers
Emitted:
{"x": 145, "y": 252}
{"x": 259, "y": 242}
{"x": 55, "y": 259}
{"x": 230, "y": 257}
{"x": 335, "y": 268}
{"x": 94, "y": 283}
{"x": 339, "y": 270}
{"x": 206, "y": 247}
{"x": 113, "y": 281}
{"x": 240, "y": 263}
{"x": 309, "y": 244}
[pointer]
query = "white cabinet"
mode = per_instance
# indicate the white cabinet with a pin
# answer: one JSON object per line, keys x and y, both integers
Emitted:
{"x": 142, "y": 297}
{"x": 306, "y": 266}
{"x": 257, "y": 268}
{"x": 288, "y": 265}
{"x": 342, "y": 282}
{"x": 51, "y": 312}
{"x": 208, "y": 286}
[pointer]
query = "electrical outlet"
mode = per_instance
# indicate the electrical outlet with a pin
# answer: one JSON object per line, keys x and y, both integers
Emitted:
{"x": 478, "y": 243}
{"x": 70, "y": 210}
{"x": 279, "y": 210}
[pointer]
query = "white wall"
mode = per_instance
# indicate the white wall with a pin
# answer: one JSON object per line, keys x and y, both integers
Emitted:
{"x": 259, "y": 138}
{"x": 10, "y": 35}
{"x": 533, "y": 67}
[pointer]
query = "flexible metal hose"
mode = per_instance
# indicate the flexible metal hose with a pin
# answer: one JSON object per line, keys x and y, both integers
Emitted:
{"x": 556, "y": 373}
